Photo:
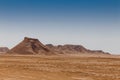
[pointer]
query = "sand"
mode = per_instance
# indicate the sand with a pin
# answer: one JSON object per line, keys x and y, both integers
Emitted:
{"x": 34, "y": 67}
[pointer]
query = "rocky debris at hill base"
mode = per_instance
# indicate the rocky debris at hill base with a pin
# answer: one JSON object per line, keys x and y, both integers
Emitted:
{"x": 30, "y": 46}
{"x": 3, "y": 49}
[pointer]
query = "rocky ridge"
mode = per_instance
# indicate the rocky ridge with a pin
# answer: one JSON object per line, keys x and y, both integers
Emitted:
{"x": 34, "y": 46}
{"x": 73, "y": 49}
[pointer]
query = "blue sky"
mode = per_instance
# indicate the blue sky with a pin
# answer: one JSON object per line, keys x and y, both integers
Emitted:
{"x": 92, "y": 23}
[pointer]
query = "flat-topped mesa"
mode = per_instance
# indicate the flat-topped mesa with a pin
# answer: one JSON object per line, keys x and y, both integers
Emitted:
{"x": 30, "y": 46}
{"x": 30, "y": 39}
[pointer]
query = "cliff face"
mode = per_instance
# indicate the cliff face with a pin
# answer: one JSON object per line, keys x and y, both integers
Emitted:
{"x": 30, "y": 46}
{"x": 3, "y": 49}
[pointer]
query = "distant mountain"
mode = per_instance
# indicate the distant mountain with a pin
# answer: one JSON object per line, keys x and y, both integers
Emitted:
{"x": 34, "y": 46}
{"x": 3, "y": 49}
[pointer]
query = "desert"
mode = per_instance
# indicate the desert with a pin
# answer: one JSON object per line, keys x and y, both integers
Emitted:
{"x": 72, "y": 67}
{"x": 59, "y": 39}
{"x": 32, "y": 60}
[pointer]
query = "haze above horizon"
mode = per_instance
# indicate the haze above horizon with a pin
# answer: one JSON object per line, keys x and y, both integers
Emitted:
{"x": 94, "y": 24}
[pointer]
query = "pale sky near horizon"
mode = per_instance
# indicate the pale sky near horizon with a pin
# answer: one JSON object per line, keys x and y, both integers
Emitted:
{"x": 94, "y": 24}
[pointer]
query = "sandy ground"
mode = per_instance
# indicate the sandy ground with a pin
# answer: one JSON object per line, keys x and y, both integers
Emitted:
{"x": 59, "y": 67}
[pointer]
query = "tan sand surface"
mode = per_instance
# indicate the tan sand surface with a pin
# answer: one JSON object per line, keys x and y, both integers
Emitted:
{"x": 59, "y": 67}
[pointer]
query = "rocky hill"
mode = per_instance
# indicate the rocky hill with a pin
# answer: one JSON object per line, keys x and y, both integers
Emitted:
{"x": 30, "y": 46}
{"x": 3, "y": 49}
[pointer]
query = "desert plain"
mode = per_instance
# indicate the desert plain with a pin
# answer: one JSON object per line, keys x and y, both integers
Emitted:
{"x": 59, "y": 67}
